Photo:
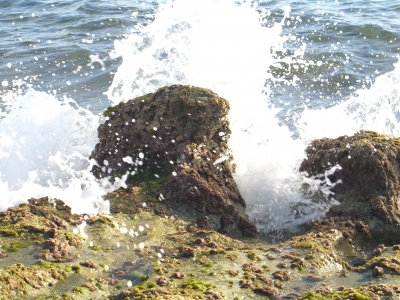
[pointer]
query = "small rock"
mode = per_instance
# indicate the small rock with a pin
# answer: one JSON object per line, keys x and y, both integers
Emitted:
{"x": 246, "y": 284}
{"x": 281, "y": 275}
{"x": 213, "y": 295}
{"x": 282, "y": 265}
{"x": 378, "y": 250}
{"x": 163, "y": 281}
{"x": 203, "y": 223}
{"x": 377, "y": 271}
{"x": 178, "y": 275}
{"x": 267, "y": 290}
{"x": 88, "y": 264}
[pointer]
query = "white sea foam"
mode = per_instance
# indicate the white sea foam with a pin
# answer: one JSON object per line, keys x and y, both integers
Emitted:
{"x": 45, "y": 145}
{"x": 204, "y": 43}
{"x": 376, "y": 108}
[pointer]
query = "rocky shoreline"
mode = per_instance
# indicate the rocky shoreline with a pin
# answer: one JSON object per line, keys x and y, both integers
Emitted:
{"x": 179, "y": 231}
{"x": 47, "y": 253}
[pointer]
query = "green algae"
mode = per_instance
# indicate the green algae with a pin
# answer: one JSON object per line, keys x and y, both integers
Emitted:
{"x": 196, "y": 262}
{"x": 102, "y": 219}
{"x": 16, "y": 245}
{"x": 345, "y": 294}
{"x": 149, "y": 182}
{"x": 364, "y": 292}
{"x": 112, "y": 109}
{"x": 32, "y": 224}
{"x": 389, "y": 261}
{"x": 55, "y": 296}
{"x": 19, "y": 280}
{"x": 253, "y": 256}
{"x": 80, "y": 290}
{"x": 197, "y": 285}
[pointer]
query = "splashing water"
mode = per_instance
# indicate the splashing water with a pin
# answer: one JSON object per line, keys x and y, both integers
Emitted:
{"x": 376, "y": 109}
{"x": 42, "y": 153}
{"x": 203, "y": 44}
{"x": 199, "y": 43}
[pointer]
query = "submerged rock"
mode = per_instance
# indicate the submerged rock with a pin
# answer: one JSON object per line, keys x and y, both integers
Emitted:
{"x": 370, "y": 179}
{"x": 178, "y": 134}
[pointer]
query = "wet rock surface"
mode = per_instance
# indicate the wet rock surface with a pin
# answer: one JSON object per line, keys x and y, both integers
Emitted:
{"x": 369, "y": 176}
{"x": 179, "y": 135}
{"x": 160, "y": 126}
{"x": 142, "y": 255}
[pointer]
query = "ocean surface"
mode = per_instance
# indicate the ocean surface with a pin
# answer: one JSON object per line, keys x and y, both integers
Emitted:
{"x": 293, "y": 71}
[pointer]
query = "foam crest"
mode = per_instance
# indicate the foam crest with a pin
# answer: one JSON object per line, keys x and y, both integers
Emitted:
{"x": 275, "y": 191}
{"x": 45, "y": 145}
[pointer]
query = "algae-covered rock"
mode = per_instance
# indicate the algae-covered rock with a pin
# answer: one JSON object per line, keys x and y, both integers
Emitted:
{"x": 141, "y": 255}
{"x": 150, "y": 133}
{"x": 40, "y": 229}
{"x": 17, "y": 279}
{"x": 364, "y": 292}
{"x": 178, "y": 134}
{"x": 370, "y": 179}
{"x": 384, "y": 260}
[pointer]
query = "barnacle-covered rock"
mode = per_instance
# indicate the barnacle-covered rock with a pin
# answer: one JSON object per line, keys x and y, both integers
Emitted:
{"x": 178, "y": 133}
{"x": 370, "y": 178}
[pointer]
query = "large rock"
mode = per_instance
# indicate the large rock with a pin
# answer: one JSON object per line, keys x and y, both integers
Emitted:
{"x": 370, "y": 175}
{"x": 178, "y": 133}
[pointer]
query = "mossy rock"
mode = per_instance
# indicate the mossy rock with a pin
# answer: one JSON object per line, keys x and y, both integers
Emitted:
{"x": 369, "y": 176}
{"x": 170, "y": 143}
{"x": 151, "y": 129}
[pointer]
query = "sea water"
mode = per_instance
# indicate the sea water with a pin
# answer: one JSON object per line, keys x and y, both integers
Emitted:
{"x": 292, "y": 71}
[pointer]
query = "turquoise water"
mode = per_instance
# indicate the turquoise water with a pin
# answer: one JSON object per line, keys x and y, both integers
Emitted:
{"x": 293, "y": 71}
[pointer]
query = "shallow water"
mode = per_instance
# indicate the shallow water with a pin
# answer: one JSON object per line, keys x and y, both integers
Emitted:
{"x": 293, "y": 72}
